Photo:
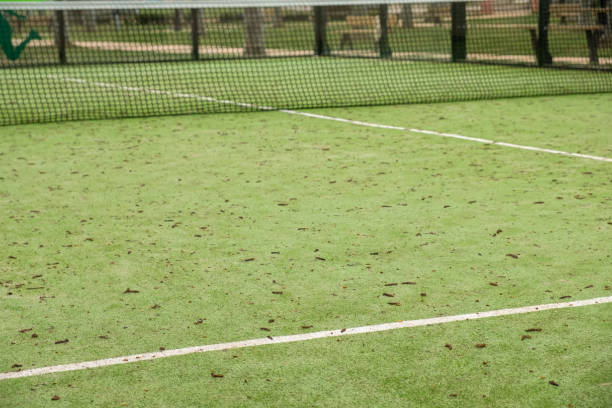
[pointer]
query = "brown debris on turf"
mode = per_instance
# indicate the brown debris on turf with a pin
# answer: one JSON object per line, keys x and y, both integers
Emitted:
{"x": 277, "y": 292}
{"x": 214, "y": 375}
{"x": 128, "y": 290}
{"x": 448, "y": 346}
{"x": 388, "y": 294}
{"x": 62, "y": 341}
{"x": 25, "y": 330}
{"x": 307, "y": 326}
{"x": 55, "y": 398}
{"x": 493, "y": 284}
{"x": 408, "y": 283}
{"x": 565, "y": 297}
{"x": 249, "y": 259}
{"x": 534, "y": 329}
{"x": 512, "y": 256}
{"x": 395, "y": 303}
{"x": 525, "y": 336}
{"x": 551, "y": 382}
{"x": 481, "y": 345}
{"x": 391, "y": 284}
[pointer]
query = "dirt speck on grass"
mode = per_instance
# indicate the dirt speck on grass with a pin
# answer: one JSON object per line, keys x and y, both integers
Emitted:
{"x": 128, "y": 290}
{"x": 481, "y": 345}
{"x": 215, "y": 375}
{"x": 448, "y": 346}
{"x": 515, "y": 256}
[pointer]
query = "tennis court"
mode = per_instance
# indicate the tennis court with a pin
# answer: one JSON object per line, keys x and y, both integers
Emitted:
{"x": 305, "y": 231}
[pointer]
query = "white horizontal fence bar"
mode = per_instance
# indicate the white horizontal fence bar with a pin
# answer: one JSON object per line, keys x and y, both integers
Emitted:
{"x": 203, "y": 4}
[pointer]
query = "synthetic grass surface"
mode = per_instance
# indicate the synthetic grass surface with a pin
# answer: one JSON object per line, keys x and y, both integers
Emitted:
{"x": 109, "y": 91}
{"x": 400, "y": 368}
{"x": 208, "y": 216}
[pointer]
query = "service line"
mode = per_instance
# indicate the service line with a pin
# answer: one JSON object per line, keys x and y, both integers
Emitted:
{"x": 324, "y": 117}
{"x": 297, "y": 337}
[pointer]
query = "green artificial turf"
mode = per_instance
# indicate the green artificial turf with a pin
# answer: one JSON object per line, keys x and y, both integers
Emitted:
{"x": 227, "y": 224}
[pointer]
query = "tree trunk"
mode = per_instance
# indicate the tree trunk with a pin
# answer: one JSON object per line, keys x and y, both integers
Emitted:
{"x": 407, "y": 19}
{"x": 177, "y": 20}
{"x": 278, "y": 17}
{"x": 254, "y": 36}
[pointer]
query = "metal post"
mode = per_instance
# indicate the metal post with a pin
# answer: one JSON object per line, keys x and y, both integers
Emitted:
{"x": 458, "y": 31}
{"x": 320, "y": 27}
{"x": 60, "y": 16}
{"x": 543, "y": 53}
{"x": 383, "y": 42}
{"x": 195, "y": 34}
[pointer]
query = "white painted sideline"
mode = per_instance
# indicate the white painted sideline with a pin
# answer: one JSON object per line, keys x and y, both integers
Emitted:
{"x": 324, "y": 117}
{"x": 297, "y": 337}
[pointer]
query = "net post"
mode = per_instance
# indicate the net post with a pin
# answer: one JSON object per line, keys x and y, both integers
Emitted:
{"x": 383, "y": 42}
{"x": 543, "y": 53}
{"x": 60, "y": 17}
{"x": 458, "y": 32}
{"x": 195, "y": 34}
{"x": 320, "y": 27}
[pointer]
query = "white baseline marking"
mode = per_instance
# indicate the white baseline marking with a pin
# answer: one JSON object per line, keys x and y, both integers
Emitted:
{"x": 298, "y": 337}
{"x": 325, "y": 117}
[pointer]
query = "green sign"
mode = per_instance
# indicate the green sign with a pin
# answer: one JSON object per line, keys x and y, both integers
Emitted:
{"x": 6, "y": 36}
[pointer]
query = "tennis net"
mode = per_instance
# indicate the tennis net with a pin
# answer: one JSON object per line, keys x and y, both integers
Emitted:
{"x": 72, "y": 60}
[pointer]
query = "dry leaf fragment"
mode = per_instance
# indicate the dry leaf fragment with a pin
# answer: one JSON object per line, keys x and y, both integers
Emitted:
{"x": 452, "y": 395}
{"x": 128, "y": 290}
{"x": 62, "y": 341}
{"x": 391, "y": 284}
{"x": 318, "y": 258}
{"x": 448, "y": 346}
{"x": 277, "y": 292}
{"x": 214, "y": 375}
{"x": 481, "y": 345}
{"x": 551, "y": 382}
{"x": 512, "y": 256}
{"x": 395, "y": 303}
{"x": 388, "y": 294}
{"x": 493, "y": 283}
{"x": 17, "y": 366}
{"x": 565, "y": 297}
{"x": 25, "y": 330}
{"x": 307, "y": 326}
{"x": 155, "y": 306}
{"x": 408, "y": 283}
{"x": 534, "y": 329}
{"x": 264, "y": 329}
{"x": 55, "y": 398}
{"x": 343, "y": 330}
{"x": 525, "y": 336}
{"x": 423, "y": 294}
{"x": 588, "y": 286}
{"x": 249, "y": 259}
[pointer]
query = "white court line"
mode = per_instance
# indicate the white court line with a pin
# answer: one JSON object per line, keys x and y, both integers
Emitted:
{"x": 325, "y": 117}
{"x": 297, "y": 337}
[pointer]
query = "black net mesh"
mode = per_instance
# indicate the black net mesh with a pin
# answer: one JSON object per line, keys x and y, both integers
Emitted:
{"x": 87, "y": 63}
